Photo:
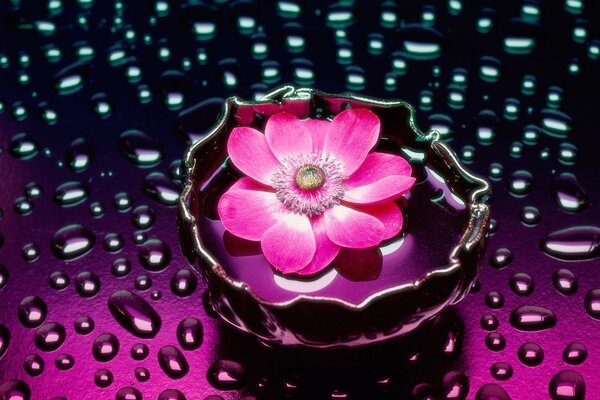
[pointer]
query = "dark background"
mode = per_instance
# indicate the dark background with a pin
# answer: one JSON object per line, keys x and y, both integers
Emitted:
{"x": 166, "y": 69}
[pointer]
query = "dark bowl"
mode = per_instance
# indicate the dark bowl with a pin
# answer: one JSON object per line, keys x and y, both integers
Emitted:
{"x": 402, "y": 284}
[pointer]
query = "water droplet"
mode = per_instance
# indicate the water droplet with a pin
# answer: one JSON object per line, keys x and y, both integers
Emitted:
{"x": 520, "y": 183}
{"x": 32, "y": 311}
{"x": 183, "y": 283}
{"x": 113, "y": 242}
{"x": 556, "y": 123}
{"x": 15, "y": 390}
{"x": 155, "y": 255}
{"x": 139, "y": 351}
{"x": 50, "y": 336}
{"x": 64, "y": 362}
{"x": 495, "y": 341}
{"x": 455, "y": 385}
{"x": 575, "y": 353}
{"x": 103, "y": 378}
{"x": 122, "y": 202}
{"x": 565, "y": 282}
{"x": 171, "y": 394}
{"x": 23, "y": 146}
{"x": 568, "y": 194}
{"x": 134, "y": 314}
{"x": 128, "y": 393}
{"x": 140, "y": 148}
{"x": 3, "y": 273}
{"x": 143, "y": 217}
{"x": 190, "y": 333}
{"x": 226, "y": 375}
{"x": 160, "y": 188}
{"x": 532, "y": 318}
{"x": 494, "y": 300}
{"x": 592, "y": 303}
{"x": 23, "y": 206}
{"x": 419, "y": 42}
{"x": 96, "y": 210}
{"x": 59, "y": 280}
{"x": 501, "y": 371}
{"x": 172, "y": 362}
{"x": 501, "y": 258}
{"x": 4, "y": 340}
{"x": 30, "y": 252}
{"x": 72, "y": 241}
{"x": 121, "y": 267}
{"x": 70, "y": 79}
{"x": 33, "y": 365}
{"x": 530, "y": 354}
{"x": 70, "y": 194}
{"x": 530, "y": 216}
{"x": 486, "y": 126}
{"x": 79, "y": 155}
{"x": 33, "y": 190}
{"x": 143, "y": 282}
{"x": 574, "y": 243}
{"x": 142, "y": 374}
{"x": 489, "y": 322}
{"x": 567, "y": 384}
{"x": 105, "y": 347}
{"x": 84, "y": 325}
{"x": 491, "y": 391}
{"x": 521, "y": 284}
{"x": 520, "y": 36}
{"x": 87, "y": 284}
{"x": 489, "y": 69}
{"x": 101, "y": 105}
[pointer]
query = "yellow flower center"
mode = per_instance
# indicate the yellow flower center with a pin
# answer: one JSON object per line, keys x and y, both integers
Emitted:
{"x": 309, "y": 177}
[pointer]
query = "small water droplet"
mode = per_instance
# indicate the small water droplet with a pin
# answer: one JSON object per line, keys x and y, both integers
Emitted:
{"x": 521, "y": 183}
{"x": 521, "y": 284}
{"x": 105, "y": 347}
{"x": 15, "y": 390}
{"x": 455, "y": 386}
{"x": 50, "y": 336}
{"x": 121, "y": 267}
{"x": 128, "y": 393}
{"x": 183, "y": 283}
{"x": 567, "y": 384}
{"x": 568, "y": 194}
{"x": 226, "y": 375}
{"x": 87, "y": 284}
{"x": 139, "y": 351}
{"x": 565, "y": 282}
{"x": 575, "y": 353}
{"x": 64, "y": 362}
{"x": 134, "y": 314}
{"x": 79, "y": 154}
{"x": 143, "y": 217}
{"x": 190, "y": 333}
{"x": 530, "y": 354}
{"x": 161, "y": 189}
{"x": 489, "y": 322}
{"x": 494, "y": 300}
{"x": 103, "y": 378}
{"x": 574, "y": 243}
{"x": 32, "y": 311}
{"x": 122, "y": 202}
{"x": 592, "y": 303}
{"x": 23, "y": 146}
{"x": 33, "y": 365}
{"x": 172, "y": 362}
{"x": 492, "y": 391}
{"x": 70, "y": 194}
{"x": 140, "y": 148}
{"x": 72, "y": 241}
{"x": 143, "y": 282}
{"x": 30, "y": 252}
{"x": 530, "y": 216}
{"x": 113, "y": 242}
{"x": 495, "y": 341}
{"x": 501, "y": 371}
{"x": 3, "y": 272}
{"x": 84, "y": 325}
{"x": 501, "y": 258}
{"x": 4, "y": 339}
{"x": 532, "y": 318}
{"x": 155, "y": 255}
{"x": 142, "y": 374}
{"x": 59, "y": 280}
{"x": 419, "y": 42}
{"x": 171, "y": 394}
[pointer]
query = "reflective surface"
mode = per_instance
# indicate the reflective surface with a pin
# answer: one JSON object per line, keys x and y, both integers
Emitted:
{"x": 508, "y": 85}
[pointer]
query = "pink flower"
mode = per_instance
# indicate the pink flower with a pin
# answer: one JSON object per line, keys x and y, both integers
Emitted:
{"x": 312, "y": 187}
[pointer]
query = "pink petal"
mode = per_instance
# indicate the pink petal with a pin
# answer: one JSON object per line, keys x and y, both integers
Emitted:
{"x": 351, "y": 135}
{"x": 378, "y": 166}
{"x": 250, "y": 153}
{"x": 347, "y": 227}
{"x": 381, "y": 191}
{"x": 290, "y": 244}
{"x": 287, "y": 135}
{"x": 325, "y": 252}
{"x": 318, "y": 131}
{"x": 389, "y": 214}
{"x": 248, "y": 213}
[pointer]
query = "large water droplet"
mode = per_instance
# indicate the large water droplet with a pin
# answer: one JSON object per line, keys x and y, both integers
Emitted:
{"x": 70, "y": 194}
{"x": 172, "y": 362}
{"x": 171, "y": 394}
{"x": 161, "y": 189}
{"x": 491, "y": 391}
{"x": 72, "y": 241}
{"x": 419, "y": 42}
{"x": 567, "y": 385}
{"x": 568, "y": 194}
{"x": 134, "y": 314}
{"x": 155, "y": 255}
{"x": 520, "y": 37}
{"x": 532, "y": 318}
{"x": 574, "y": 243}
{"x": 15, "y": 390}
{"x": 50, "y": 336}
{"x": 190, "y": 333}
{"x": 592, "y": 303}
{"x": 140, "y": 148}
{"x": 128, "y": 393}
{"x": 455, "y": 385}
{"x": 226, "y": 375}
{"x": 105, "y": 347}
{"x": 32, "y": 311}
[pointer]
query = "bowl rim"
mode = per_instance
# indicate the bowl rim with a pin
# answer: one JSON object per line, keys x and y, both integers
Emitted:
{"x": 473, "y": 234}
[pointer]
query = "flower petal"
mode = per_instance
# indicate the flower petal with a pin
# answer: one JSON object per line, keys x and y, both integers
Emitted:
{"x": 389, "y": 214}
{"x": 325, "y": 251}
{"x": 250, "y": 153}
{"x": 287, "y": 135}
{"x": 347, "y": 227}
{"x": 247, "y": 212}
{"x": 290, "y": 244}
{"x": 377, "y": 166}
{"x": 381, "y": 191}
{"x": 351, "y": 135}
{"x": 318, "y": 129}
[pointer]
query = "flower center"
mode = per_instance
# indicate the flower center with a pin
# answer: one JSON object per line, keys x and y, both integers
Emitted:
{"x": 309, "y": 177}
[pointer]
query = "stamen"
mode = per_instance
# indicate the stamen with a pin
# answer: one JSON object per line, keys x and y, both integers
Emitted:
{"x": 309, "y": 177}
